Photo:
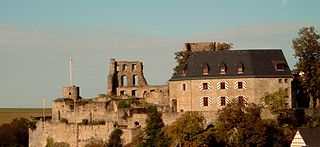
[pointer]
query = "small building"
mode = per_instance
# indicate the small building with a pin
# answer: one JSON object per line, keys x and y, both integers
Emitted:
{"x": 209, "y": 80}
{"x": 306, "y": 137}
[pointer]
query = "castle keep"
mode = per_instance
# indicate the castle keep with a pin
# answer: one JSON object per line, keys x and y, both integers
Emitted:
{"x": 208, "y": 81}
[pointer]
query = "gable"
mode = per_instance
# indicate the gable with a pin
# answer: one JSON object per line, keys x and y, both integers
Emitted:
{"x": 297, "y": 140}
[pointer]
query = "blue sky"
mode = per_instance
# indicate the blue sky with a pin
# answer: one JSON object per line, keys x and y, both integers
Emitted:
{"x": 37, "y": 37}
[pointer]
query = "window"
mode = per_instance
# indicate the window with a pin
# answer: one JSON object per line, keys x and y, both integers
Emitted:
{"x": 222, "y": 101}
{"x": 124, "y": 81}
{"x": 222, "y": 85}
{"x": 280, "y": 80}
{"x": 124, "y": 67}
{"x": 240, "y": 68}
{"x": 240, "y": 85}
{"x": 184, "y": 87}
{"x": 134, "y": 66}
{"x": 280, "y": 67}
{"x": 122, "y": 92}
{"x": 183, "y": 72}
{"x": 205, "y": 101}
{"x": 134, "y": 93}
{"x": 117, "y": 68}
{"x": 240, "y": 100}
{"x": 135, "y": 80}
{"x": 286, "y": 80}
{"x": 222, "y": 70}
{"x": 205, "y": 69}
{"x": 204, "y": 86}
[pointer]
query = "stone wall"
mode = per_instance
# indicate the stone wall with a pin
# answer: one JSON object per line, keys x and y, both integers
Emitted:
{"x": 90, "y": 109}
{"x": 74, "y": 134}
{"x": 125, "y": 74}
{"x": 253, "y": 89}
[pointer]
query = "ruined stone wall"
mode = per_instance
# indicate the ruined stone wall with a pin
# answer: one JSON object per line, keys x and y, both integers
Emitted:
{"x": 253, "y": 89}
{"x": 126, "y": 78}
{"x": 123, "y": 74}
{"x": 94, "y": 110}
{"x": 74, "y": 134}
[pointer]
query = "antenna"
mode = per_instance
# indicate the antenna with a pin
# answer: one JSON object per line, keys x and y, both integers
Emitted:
{"x": 70, "y": 66}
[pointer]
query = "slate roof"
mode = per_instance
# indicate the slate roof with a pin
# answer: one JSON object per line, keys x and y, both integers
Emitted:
{"x": 256, "y": 63}
{"x": 311, "y": 136}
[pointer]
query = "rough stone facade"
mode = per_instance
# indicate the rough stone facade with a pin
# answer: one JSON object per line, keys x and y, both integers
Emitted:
{"x": 189, "y": 99}
{"x": 126, "y": 78}
{"x": 73, "y": 134}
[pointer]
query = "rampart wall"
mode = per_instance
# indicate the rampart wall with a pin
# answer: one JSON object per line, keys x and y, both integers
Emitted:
{"x": 73, "y": 134}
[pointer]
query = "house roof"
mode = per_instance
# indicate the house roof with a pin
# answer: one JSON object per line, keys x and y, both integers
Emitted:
{"x": 255, "y": 63}
{"x": 311, "y": 136}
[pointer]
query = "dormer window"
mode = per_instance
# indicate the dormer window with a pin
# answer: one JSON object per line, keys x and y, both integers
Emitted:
{"x": 223, "y": 68}
{"x": 183, "y": 70}
{"x": 279, "y": 65}
{"x": 240, "y": 68}
{"x": 205, "y": 69}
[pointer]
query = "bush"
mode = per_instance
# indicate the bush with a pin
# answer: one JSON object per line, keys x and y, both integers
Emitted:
{"x": 115, "y": 138}
{"x": 123, "y": 104}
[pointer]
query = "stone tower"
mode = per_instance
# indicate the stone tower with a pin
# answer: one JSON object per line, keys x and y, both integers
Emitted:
{"x": 72, "y": 92}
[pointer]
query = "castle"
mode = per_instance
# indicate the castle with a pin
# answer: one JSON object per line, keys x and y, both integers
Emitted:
{"x": 206, "y": 82}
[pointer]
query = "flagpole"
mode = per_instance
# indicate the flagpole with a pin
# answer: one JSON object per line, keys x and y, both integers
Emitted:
{"x": 43, "y": 108}
{"x": 70, "y": 66}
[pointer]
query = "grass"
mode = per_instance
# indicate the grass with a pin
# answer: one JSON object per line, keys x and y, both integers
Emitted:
{"x": 7, "y": 114}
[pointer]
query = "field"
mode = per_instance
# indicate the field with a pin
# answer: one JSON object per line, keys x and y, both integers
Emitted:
{"x": 7, "y": 114}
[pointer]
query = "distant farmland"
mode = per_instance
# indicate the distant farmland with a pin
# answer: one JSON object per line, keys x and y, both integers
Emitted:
{"x": 7, "y": 114}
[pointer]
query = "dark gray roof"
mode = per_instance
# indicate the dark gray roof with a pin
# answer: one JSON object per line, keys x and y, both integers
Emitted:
{"x": 311, "y": 136}
{"x": 256, "y": 63}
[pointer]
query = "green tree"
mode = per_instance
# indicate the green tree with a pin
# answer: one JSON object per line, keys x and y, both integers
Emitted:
{"x": 185, "y": 129}
{"x": 16, "y": 133}
{"x": 115, "y": 138}
{"x": 240, "y": 125}
{"x": 307, "y": 50}
{"x": 153, "y": 130}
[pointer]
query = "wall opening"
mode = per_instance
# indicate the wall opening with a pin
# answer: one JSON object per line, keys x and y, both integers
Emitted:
{"x": 134, "y": 93}
{"x": 59, "y": 115}
{"x": 124, "y": 67}
{"x": 135, "y": 80}
{"x": 134, "y": 66}
{"x": 117, "y": 68}
{"x": 174, "y": 104}
{"x": 122, "y": 92}
{"x": 124, "y": 81}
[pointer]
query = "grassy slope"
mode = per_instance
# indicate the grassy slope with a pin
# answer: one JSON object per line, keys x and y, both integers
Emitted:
{"x": 7, "y": 114}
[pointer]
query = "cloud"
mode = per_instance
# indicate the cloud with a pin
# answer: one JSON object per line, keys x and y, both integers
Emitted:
{"x": 284, "y": 2}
